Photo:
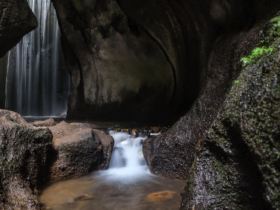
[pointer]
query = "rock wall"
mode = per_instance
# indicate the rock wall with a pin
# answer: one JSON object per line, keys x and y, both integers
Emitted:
{"x": 232, "y": 31}
{"x": 119, "y": 69}
{"x": 16, "y": 20}
{"x": 236, "y": 163}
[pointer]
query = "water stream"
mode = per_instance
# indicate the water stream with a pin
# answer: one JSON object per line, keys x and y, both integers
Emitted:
{"x": 37, "y": 81}
{"x": 127, "y": 184}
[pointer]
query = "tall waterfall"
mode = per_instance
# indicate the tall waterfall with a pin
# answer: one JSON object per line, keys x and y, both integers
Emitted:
{"x": 37, "y": 81}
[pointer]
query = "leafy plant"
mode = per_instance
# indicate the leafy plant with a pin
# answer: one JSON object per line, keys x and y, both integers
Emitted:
{"x": 236, "y": 81}
{"x": 258, "y": 51}
{"x": 276, "y": 21}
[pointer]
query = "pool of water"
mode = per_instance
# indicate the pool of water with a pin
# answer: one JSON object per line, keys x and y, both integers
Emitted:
{"x": 90, "y": 192}
{"x": 126, "y": 185}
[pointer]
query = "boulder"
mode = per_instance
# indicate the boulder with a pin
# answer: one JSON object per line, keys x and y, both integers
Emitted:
{"x": 24, "y": 152}
{"x": 236, "y": 163}
{"x": 107, "y": 142}
{"x": 46, "y": 123}
{"x": 78, "y": 151}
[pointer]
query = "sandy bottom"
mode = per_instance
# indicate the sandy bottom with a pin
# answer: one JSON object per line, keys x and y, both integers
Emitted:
{"x": 92, "y": 192}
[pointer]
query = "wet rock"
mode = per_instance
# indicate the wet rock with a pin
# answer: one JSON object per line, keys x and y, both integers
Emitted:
{"x": 83, "y": 197}
{"x": 236, "y": 163}
{"x": 155, "y": 129}
{"x": 172, "y": 153}
{"x": 24, "y": 151}
{"x": 107, "y": 142}
{"x": 46, "y": 123}
{"x": 161, "y": 196}
{"x": 86, "y": 125}
{"x": 134, "y": 133}
{"x": 17, "y": 19}
{"x": 79, "y": 151}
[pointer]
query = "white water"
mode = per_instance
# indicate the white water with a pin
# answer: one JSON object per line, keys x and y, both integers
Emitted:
{"x": 38, "y": 83}
{"x": 127, "y": 164}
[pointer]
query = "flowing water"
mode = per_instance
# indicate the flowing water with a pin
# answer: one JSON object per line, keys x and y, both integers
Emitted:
{"x": 37, "y": 81}
{"x": 126, "y": 185}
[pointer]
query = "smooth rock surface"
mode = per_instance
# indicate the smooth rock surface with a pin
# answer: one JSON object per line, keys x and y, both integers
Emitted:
{"x": 118, "y": 69}
{"x": 24, "y": 152}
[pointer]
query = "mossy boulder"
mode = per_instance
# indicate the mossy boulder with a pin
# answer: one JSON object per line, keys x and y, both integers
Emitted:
{"x": 237, "y": 163}
{"x": 23, "y": 155}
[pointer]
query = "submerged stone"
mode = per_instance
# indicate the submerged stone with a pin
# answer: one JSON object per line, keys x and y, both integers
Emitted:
{"x": 161, "y": 196}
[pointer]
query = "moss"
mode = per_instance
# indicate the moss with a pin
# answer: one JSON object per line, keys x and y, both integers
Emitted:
{"x": 238, "y": 166}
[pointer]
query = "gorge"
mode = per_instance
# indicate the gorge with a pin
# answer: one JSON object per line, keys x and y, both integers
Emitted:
{"x": 210, "y": 69}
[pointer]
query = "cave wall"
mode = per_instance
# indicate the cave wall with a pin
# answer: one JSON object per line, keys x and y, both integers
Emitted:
{"x": 119, "y": 69}
{"x": 230, "y": 30}
{"x": 16, "y": 20}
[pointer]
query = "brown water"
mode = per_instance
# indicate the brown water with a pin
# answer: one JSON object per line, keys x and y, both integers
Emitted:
{"x": 92, "y": 192}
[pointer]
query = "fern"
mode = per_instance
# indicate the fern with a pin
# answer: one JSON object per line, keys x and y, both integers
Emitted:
{"x": 256, "y": 53}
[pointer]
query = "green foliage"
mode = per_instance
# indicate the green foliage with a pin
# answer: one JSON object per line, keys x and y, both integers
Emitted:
{"x": 236, "y": 81}
{"x": 259, "y": 51}
{"x": 276, "y": 21}
{"x": 256, "y": 53}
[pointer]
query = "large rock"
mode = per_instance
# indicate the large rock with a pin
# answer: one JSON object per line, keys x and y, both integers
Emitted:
{"x": 78, "y": 151}
{"x": 23, "y": 155}
{"x": 119, "y": 69}
{"x": 45, "y": 123}
{"x": 16, "y": 20}
{"x": 233, "y": 31}
{"x": 236, "y": 163}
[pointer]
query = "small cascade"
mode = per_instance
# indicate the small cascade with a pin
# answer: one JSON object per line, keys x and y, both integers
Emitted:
{"x": 127, "y": 163}
{"x": 38, "y": 83}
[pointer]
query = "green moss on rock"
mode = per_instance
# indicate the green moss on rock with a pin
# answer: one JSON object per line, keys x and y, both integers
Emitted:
{"x": 237, "y": 164}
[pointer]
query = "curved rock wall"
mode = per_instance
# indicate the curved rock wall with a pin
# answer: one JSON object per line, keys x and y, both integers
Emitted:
{"x": 119, "y": 69}
{"x": 233, "y": 30}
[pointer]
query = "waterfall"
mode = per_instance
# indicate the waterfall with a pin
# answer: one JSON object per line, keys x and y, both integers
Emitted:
{"x": 127, "y": 165}
{"x": 37, "y": 80}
